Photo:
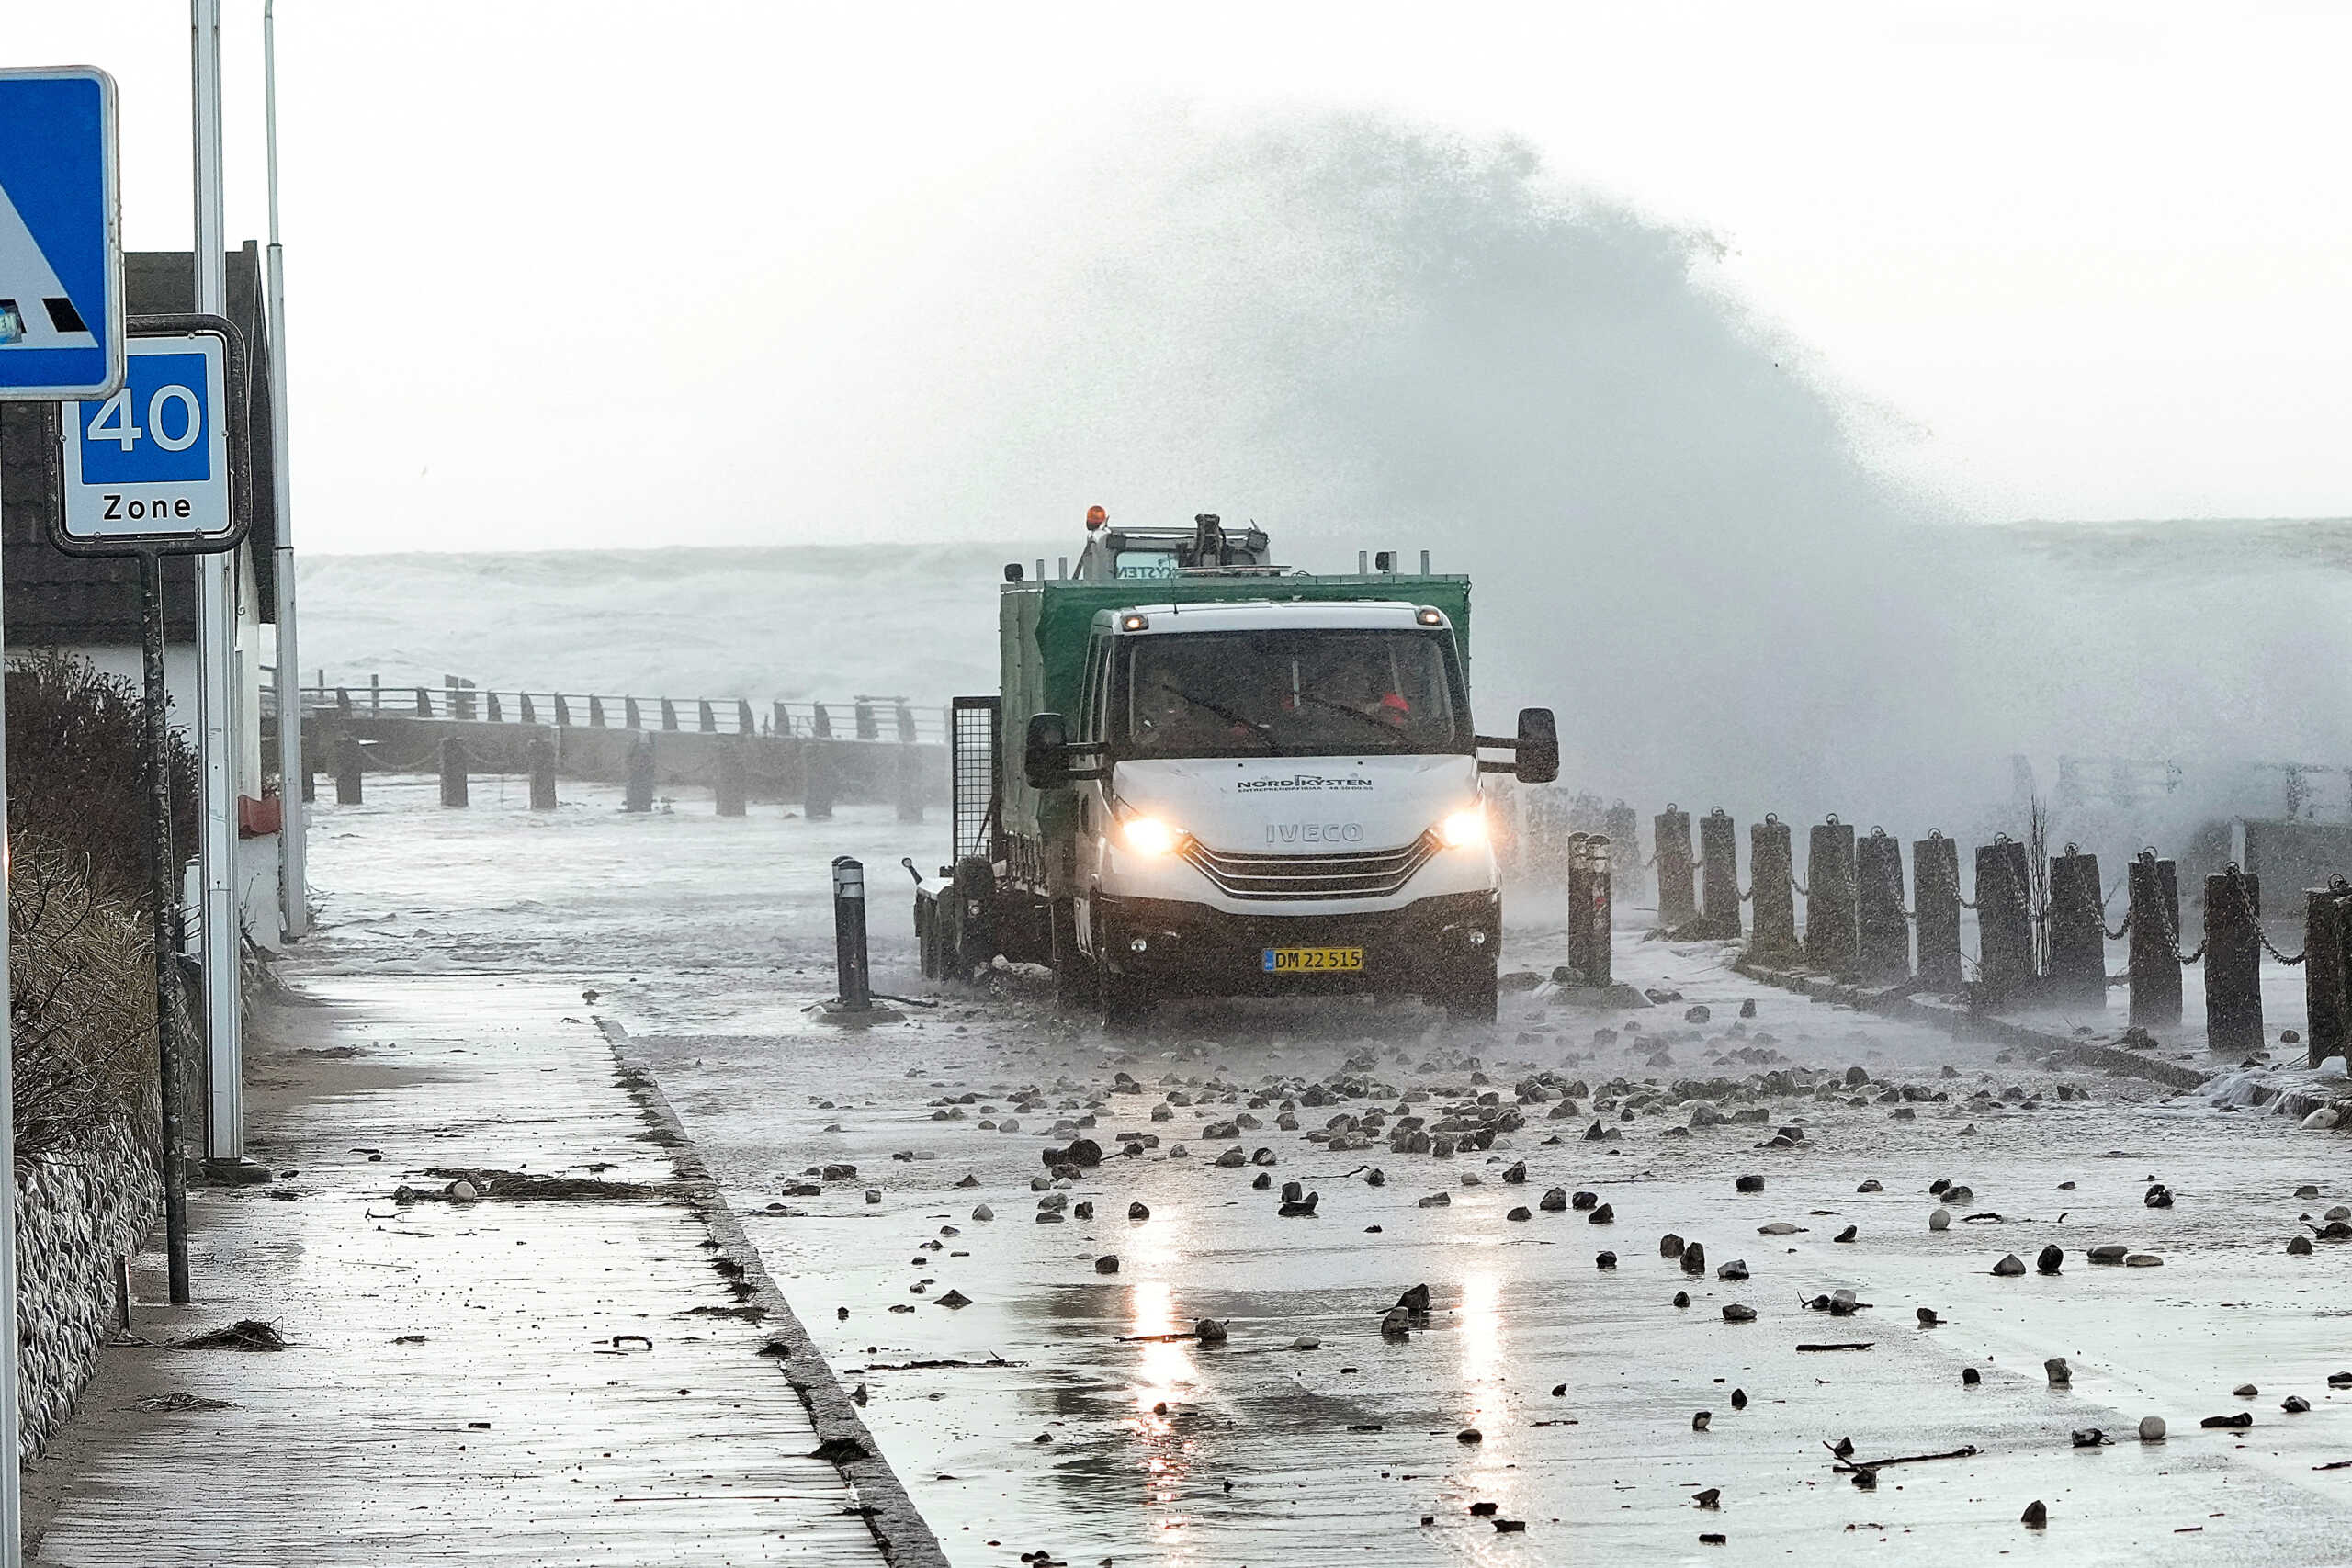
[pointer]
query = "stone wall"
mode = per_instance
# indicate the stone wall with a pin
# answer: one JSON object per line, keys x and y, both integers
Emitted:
{"x": 78, "y": 1211}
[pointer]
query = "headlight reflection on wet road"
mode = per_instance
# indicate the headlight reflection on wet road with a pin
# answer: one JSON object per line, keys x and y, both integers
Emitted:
{"x": 1163, "y": 1376}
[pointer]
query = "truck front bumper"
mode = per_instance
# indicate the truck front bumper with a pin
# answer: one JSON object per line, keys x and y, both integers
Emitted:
{"x": 1188, "y": 949}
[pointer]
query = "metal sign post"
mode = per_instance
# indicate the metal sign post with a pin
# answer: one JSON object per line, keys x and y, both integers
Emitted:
{"x": 61, "y": 336}
{"x": 161, "y": 468}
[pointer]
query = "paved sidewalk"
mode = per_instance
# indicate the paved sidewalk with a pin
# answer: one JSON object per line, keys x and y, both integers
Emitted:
{"x": 465, "y": 1384}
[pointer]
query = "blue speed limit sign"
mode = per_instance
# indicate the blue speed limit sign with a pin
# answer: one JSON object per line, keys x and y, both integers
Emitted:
{"x": 151, "y": 461}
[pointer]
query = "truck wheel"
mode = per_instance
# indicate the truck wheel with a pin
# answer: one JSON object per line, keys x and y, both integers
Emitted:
{"x": 1124, "y": 1002}
{"x": 1074, "y": 985}
{"x": 1471, "y": 996}
{"x": 975, "y": 936}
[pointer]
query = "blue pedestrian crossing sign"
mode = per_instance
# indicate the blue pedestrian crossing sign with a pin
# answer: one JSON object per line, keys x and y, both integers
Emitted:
{"x": 149, "y": 462}
{"x": 61, "y": 236}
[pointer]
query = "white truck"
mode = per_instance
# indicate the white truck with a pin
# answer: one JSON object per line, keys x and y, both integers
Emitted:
{"x": 1208, "y": 776}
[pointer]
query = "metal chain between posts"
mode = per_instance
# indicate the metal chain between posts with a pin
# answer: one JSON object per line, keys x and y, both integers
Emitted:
{"x": 1802, "y": 891}
{"x": 2246, "y": 905}
{"x": 1750, "y": 894}
{"x": 2118, "y": 934}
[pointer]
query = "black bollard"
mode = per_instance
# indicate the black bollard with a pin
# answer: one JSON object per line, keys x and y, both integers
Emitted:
{"x": 745, "y": 723}
{"x": 540, "y": 755}
{"x": 595, "y": 711}
{"x": 780, "y": 726}
{"x": 350, "y": 764}
{"x": 868, "y": 728}
{"x": 907, "y": 777}
{"x": 2234, "y": 961}
{"x": 492, "y": 698}
{"x": 2328, "y": 970}
{"x": 1831, "y": 936}
{"x": 523, "y": 701}
{"x": 820, "y": 723}
{"x": 816, "y": 779}
{"x": 631, "y": 717}
{"x": 562, "y": 712}
{"x": 638, "y": 793}
{"x": 453, "y": 771}
{"x": 730, "y": 781}
{"x": 1935, "y": 904}
{"x": 849, "y": 933}
{"x": 1719, "y": 873}
{"x": 2003, "y": 919}
{"x": 2156, "y": 942}
{"x": 1770, "y": 872}
{"x": 424, "y": 703}
{"x": 1675, "y": 904}
{"x": 705, "y": 719}
{"x": 1883, "y": 944}
{"x": 2078, "y": 930}
{"x": 669, "y": 714}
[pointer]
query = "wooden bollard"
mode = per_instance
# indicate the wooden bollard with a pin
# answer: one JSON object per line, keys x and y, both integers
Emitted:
{"x": 2156, "y": 942}
{"x": 705, "y": 719}
{"x": 1935, "y": 905}
{"x": 2078, "y": 930}
{"x": 540, "y": 755}
{"x": 1882, "y": 934}
{"x": 350, "y": 766}
{"x": 1676, "y": 903}
{"x": 2328, "y": 970}
{"x": 907, "y": 777}
{"x": 1770, "y": 869}
{"x": 453, "y": 771}
{"x": 1831, "y": 937}
{"x": 1579, "y": 908}
{"x": 729, "y": 788}
{"x": 632, "y": 716}
{"x": 1590, "y": 913}
{"x": 638, "y": 793}
{"x": 595, "y": 711}
{"x": 1622, "y": 826}
{"x": 1719, "y": 873}
{"x": 2234, "y": 961}
{"x": 2003, "y": 919}
{"x": 816, "y": 779}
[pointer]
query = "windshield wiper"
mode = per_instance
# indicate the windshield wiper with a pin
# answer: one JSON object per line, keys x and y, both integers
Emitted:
{"x": 1257, "y": 731}
{"x": 1381, "y": 725}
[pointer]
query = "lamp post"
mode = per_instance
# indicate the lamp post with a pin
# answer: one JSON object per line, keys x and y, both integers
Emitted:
{"x": 293, "y": 834}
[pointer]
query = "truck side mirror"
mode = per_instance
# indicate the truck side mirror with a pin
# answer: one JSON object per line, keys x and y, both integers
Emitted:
{"x": 1539, "y": 747}
{"x": 1045, "y": 752}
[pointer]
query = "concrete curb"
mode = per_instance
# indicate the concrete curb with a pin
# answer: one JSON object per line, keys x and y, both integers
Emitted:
{"x": 1894, "y": 1003}
{"x": 899, "y": 1528}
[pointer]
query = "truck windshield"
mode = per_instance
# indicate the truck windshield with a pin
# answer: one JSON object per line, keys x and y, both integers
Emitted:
{"x": 1301, "y": 693}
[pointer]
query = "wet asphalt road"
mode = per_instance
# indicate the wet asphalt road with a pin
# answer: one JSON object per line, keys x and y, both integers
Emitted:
{"x": 703, "y": 939}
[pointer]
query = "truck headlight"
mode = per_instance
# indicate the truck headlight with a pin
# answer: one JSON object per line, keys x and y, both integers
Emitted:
{"x": 1148, "y": 835}
{"x": 1464, "y": 830}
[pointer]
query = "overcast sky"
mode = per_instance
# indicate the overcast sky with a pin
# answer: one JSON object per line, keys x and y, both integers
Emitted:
{"x": 579, "y": 274}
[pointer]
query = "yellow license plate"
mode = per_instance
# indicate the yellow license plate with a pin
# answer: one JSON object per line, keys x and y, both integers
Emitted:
{"x": 1313, "y": 960}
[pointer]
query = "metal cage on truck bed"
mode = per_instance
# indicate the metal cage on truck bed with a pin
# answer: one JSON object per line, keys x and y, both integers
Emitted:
{"x": 973, "y": 740}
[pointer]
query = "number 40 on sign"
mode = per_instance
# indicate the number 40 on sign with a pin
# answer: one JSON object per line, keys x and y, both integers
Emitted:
{"x": 153, "y": 459}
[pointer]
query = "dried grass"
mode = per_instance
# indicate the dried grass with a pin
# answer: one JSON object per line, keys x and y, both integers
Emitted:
{"x": 82, "y": 1004}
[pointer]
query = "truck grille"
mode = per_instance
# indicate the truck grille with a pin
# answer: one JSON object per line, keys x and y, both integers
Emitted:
{"x": 1374, "y": 874}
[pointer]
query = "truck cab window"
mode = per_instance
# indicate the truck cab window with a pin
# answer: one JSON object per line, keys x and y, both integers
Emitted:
{"x": 1292, "y": 694}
